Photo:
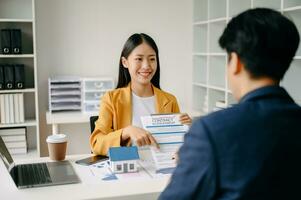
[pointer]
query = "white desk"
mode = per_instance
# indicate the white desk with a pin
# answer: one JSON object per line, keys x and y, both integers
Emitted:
{"x": 134, "y": 189}
{"x": 66, "y": 118}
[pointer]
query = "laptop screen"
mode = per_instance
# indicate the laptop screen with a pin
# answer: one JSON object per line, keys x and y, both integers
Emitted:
{"x": 5, "y": 155}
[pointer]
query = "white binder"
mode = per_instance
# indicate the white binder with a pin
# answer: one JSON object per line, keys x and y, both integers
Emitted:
{"x": 21, "y": 107}
{"x": 11, "y": 108}
{"x": 6, "y": 104}
{"x": 16, "y": 108}
{"x": 2, "y": 109}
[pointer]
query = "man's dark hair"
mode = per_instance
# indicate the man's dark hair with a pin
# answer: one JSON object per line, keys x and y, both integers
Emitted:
{"x": 265, "y": 41}
{"x": 135, "y": 40}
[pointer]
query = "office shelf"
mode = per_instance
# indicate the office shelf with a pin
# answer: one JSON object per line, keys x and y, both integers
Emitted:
{"x": 200, "y": 23}
{"x": 275, "y": 4}
{"x": 17, "y": 10}
{"x": 27, "y": 123}
{"x": 210, "y": 61}
{"x": 200, "y": 85}
{"x": 292, "y": 9}
{"x": 237, "y": 6}
{"x": 217, "y": 9}
{"x": 17, "y": 56}
{"x": 17, "y": 20}
{"x": 27, "y": 90}
{"x": 289, "y": 4}
{"x": 20, "y": 14}
{"x": 297, "y": 58}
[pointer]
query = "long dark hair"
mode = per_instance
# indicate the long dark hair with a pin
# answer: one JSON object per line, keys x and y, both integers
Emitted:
{"x": 135, "y": 40}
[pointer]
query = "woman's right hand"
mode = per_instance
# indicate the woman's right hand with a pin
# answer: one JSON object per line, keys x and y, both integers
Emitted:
{"x": 138, "y": 135}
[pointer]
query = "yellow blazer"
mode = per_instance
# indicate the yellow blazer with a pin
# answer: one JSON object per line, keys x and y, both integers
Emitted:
{"x": 116, "y": 113}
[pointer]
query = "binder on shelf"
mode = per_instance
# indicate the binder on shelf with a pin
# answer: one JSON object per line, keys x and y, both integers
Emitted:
{"x": 6, "y": 104}
{"x": 16, "y": 41}
{"x": 19, "y": 76}
{"x": 8, "y": 76}
{"x": 1, "y": 78}
{"x": 11, "y": 108}
{"x": 21, "y": 107}
{"x": 5, "y": 41}
{"x": 16, "y": 108}
{"x": 2, "y": 109}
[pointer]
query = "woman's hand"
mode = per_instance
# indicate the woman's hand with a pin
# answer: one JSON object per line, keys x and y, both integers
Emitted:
{"x": 185, "y": 119}
{"x": 138, "y": 135}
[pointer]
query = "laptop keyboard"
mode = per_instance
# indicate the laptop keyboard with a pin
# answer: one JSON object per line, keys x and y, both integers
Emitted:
{"x": 33, "y": 174}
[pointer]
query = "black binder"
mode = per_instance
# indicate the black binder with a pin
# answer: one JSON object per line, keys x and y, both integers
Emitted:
{"x": 8, "y": 76}
{"x": 5, "y": 41}
{"x": 1, "y": 78}
{"x": 19, "y": 76}
{"x": 16, "y": 41}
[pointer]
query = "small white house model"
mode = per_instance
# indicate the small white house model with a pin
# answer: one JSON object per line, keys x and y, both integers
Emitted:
{"x": 123, "y": 159}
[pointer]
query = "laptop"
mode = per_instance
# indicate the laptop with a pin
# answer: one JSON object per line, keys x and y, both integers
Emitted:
{"x": 38, "y": 174}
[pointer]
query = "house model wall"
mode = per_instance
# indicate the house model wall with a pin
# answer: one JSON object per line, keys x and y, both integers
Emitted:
{"x": 123, "y": 159}
{"x": 124, "y": 166}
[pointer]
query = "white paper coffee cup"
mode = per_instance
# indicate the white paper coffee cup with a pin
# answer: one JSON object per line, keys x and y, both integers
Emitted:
{"x": 57, "y": 145}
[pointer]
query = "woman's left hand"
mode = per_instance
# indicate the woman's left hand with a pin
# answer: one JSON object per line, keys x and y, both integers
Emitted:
{"x": 185, "y": 119}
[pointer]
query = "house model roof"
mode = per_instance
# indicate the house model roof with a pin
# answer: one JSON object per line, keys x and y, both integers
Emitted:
{"x": 123, "y": 153}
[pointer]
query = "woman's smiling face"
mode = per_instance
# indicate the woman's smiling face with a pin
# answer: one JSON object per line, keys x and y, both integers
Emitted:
{"x": 142, "y": 64}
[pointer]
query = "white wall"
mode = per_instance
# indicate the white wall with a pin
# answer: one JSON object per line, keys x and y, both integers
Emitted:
{"x": 85, "y": 38}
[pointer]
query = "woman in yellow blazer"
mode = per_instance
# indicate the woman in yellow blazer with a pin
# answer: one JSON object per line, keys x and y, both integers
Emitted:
{"x": 137, "y": 94}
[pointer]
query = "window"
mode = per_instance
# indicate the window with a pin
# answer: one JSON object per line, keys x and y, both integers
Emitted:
{"x": 119, "y": 167}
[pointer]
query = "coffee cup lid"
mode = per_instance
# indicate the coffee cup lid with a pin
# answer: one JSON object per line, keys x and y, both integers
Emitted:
{"x": 57, "y": 138}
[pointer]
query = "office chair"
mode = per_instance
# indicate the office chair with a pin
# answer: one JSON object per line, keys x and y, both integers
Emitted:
{"x": 92, "y": 122}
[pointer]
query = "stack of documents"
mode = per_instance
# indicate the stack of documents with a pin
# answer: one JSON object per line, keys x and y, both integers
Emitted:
{"x": 15, "y": 140}
{"x": 169, "y": 134}
{"x": 64, "y": 93}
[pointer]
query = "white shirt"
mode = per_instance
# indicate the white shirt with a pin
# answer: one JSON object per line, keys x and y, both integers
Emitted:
{"x": 141, "y": 106}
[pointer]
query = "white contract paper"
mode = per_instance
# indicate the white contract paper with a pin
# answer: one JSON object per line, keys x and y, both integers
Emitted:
{"x": 169, "y": 134}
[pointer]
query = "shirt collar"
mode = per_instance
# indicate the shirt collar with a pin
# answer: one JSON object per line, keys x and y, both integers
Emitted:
{"x": 266, "y": 92}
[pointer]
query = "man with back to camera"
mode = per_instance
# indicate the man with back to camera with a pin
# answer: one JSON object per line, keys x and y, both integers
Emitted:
{"x": 250, "y": 151}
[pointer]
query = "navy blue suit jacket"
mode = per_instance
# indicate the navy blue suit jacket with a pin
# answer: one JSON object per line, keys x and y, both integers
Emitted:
{"x": 249, "y": 151}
